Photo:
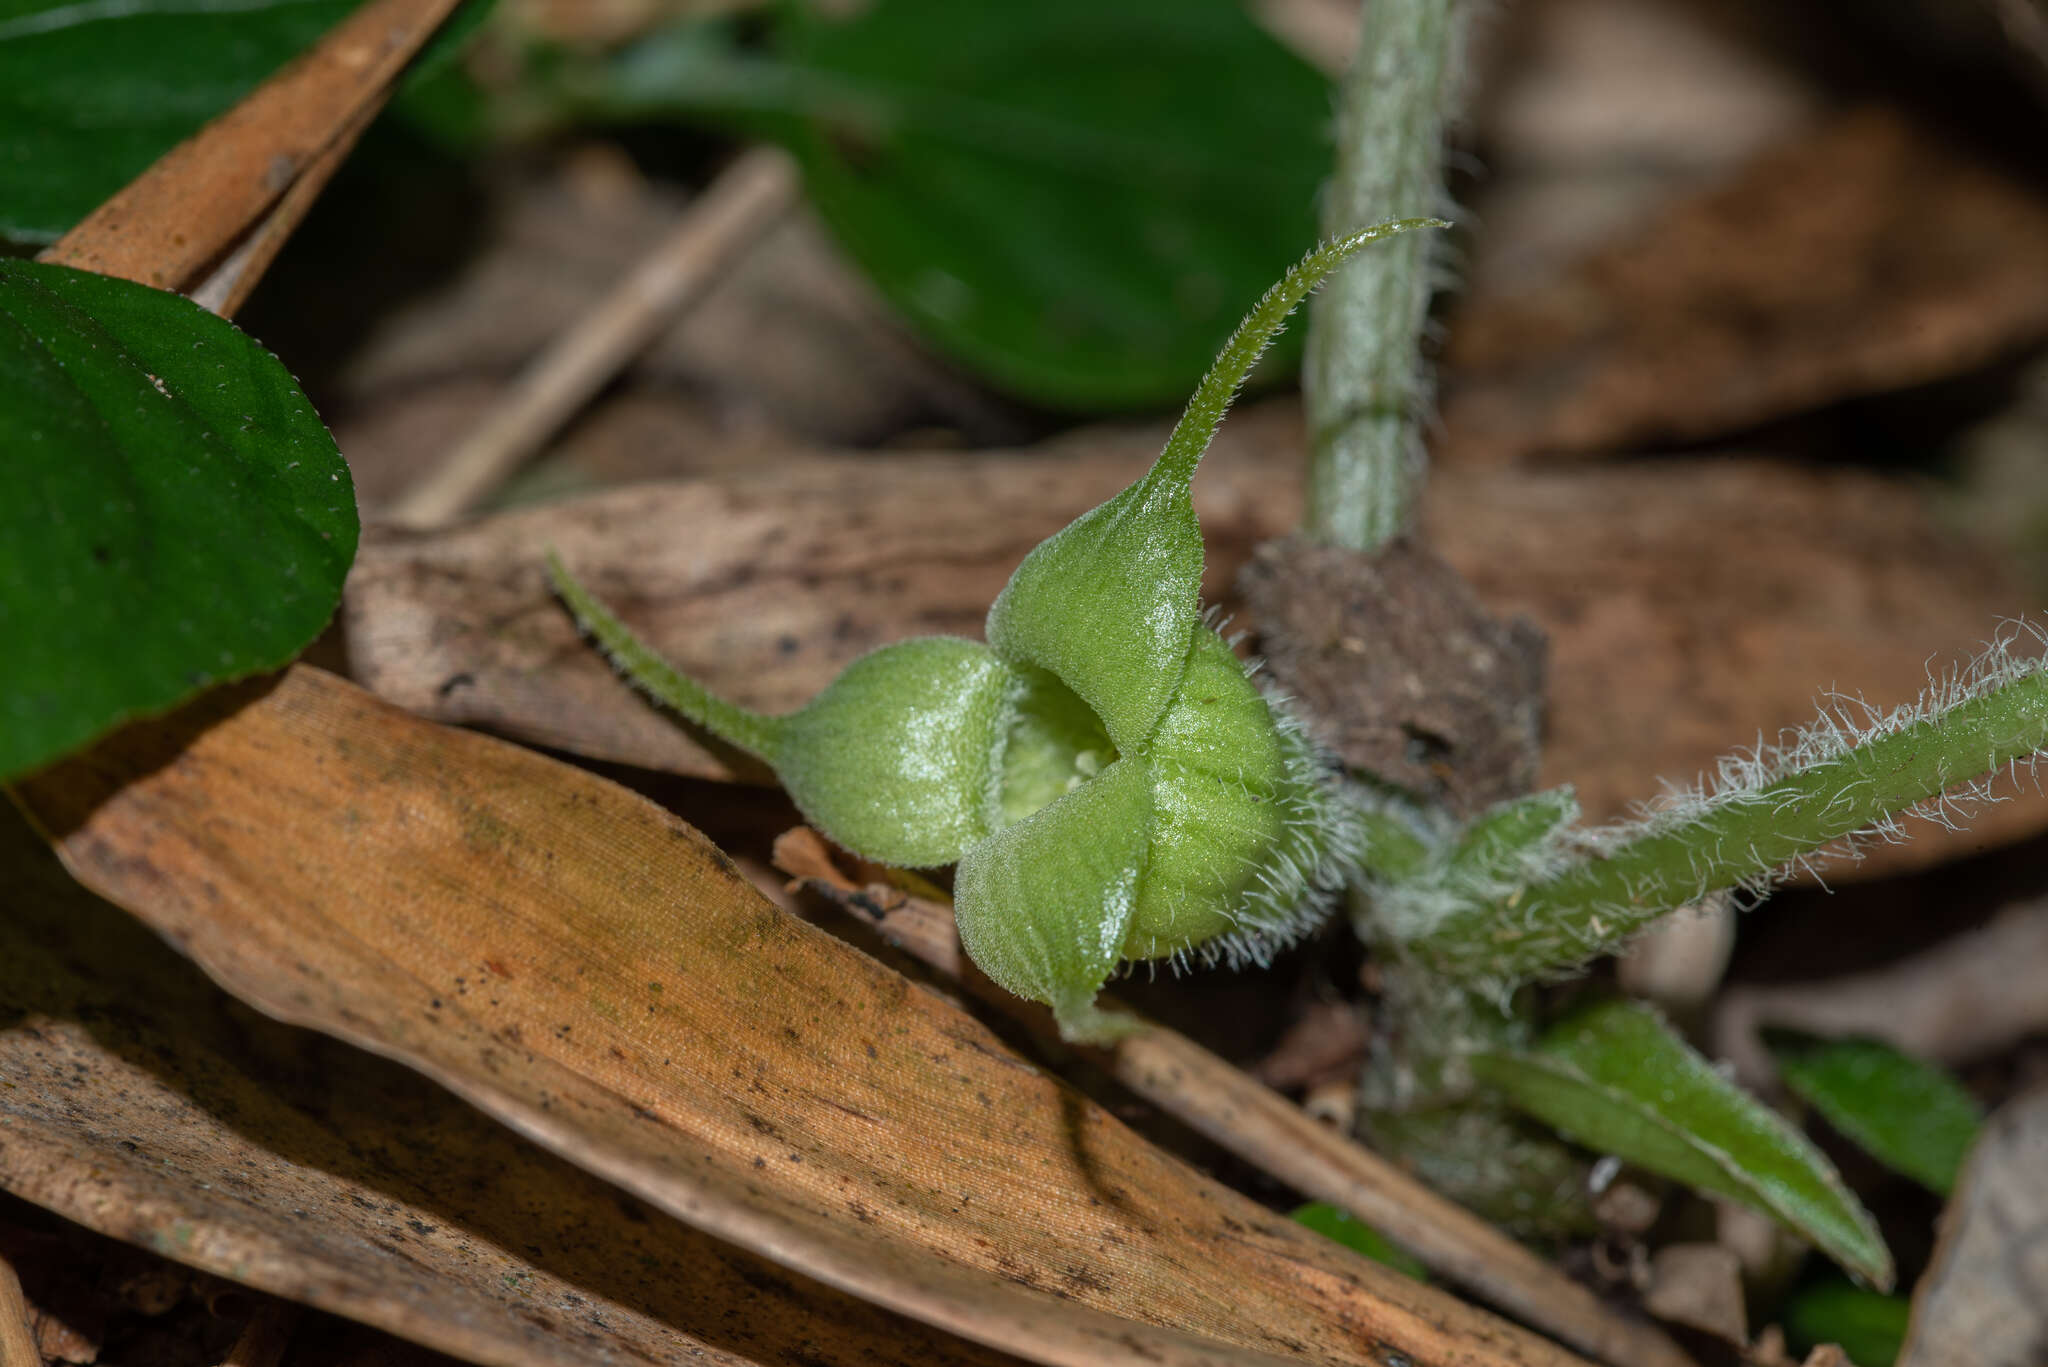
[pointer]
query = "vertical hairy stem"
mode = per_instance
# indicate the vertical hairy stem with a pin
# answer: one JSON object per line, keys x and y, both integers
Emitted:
{"x": 1364, "y": 382}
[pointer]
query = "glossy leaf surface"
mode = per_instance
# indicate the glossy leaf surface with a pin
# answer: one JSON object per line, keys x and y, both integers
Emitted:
{"x": 1074, "y": 198}
{"x": 1615, "y": 1078}
{"x": 1911, "y": 1116}
{"x": 172, "y": 512}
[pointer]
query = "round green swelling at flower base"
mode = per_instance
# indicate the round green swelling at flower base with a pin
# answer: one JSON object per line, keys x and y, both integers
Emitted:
{"x": 1110, "y": 781}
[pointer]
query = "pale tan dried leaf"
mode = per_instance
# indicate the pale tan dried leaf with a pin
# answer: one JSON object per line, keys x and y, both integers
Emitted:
{"x": 1981, "y": 1302}
{"x": 576, "y": 962}
{"x": 1700, "y": 1286}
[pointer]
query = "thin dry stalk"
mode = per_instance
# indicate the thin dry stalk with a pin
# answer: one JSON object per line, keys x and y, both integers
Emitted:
{"x": 725, "y": 221}
{"x": 17, "y": 1344}
{"x": 1261, "y": 1126}
{"x": 228, "y": 286}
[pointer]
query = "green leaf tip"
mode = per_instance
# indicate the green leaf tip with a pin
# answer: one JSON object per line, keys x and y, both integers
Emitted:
{"x": 173, "y": 513}
{"x": 1110, "y": 781}
{"x": 1614, "y": 1077}
{"x": 1911, "y": 1116}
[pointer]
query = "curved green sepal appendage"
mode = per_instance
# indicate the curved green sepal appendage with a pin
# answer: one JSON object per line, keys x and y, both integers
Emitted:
{"x": 1044, "y": 906}
{"x": 1615, "y": 1078}
{"x": 656, "y": 677}
{"x": 897, "y": 759}
{"x": 1107, "y": 603}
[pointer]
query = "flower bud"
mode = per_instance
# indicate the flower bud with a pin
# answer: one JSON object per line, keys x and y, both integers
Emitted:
{"x": 1110, "y": 781}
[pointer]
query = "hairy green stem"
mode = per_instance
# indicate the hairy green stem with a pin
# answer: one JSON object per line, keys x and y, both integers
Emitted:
{"x": 1743, "y": 837}
{"x": 1363, "y": 379}
{"x": 634, "y": 658}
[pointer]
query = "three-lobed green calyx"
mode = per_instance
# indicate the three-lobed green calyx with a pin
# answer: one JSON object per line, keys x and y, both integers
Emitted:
{"x": 1108, "y": 778}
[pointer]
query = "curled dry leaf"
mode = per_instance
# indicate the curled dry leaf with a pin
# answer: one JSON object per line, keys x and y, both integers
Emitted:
{"x": 142, "y": 1101}
{"x": 574, "y": 961}
{"x": 1689, "y": 605}
{"x": 1864, "y": 256}
{"x": 1981, "y": 1302}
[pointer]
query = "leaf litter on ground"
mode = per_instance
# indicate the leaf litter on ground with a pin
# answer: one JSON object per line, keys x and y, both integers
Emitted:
{"x": 582, "y": 966}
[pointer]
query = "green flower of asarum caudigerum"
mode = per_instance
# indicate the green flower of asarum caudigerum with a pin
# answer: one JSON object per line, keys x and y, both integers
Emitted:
{"x": 1110, "y": 781}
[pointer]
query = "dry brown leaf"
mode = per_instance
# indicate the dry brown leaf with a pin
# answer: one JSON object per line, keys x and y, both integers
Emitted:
{"x": 1983, "y": 1301}
{"x": 1865, "y": 256}
{"x": 1690, "y": 605}
{"x": 576, "y": 962}
{"x": 143, "y": 1102}
{"x": 1249, "y": 1119}
{"x": 179, "y": 218}
{"x": 1700, "y": 1286}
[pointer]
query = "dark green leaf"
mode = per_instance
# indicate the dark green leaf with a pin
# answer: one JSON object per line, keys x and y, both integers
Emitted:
{"x": 1358, "y": 1236}
{"x": 91, "y": 94}
{"x": 1869, "y": 1327}
{"x": 172, "y": 512}
{"x": 1078, "y": 199}
{"x": 1615, "y": 1078}
{"x": 1911, "y": 1116}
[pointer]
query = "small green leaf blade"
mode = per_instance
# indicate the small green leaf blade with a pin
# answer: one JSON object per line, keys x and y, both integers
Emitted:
{"x": 1355, "y": 1234}
{"x": 1043, "y": 906}
{"x": 1909, "y": 1115}
{"x": 1614, "y": 1077}
{"x": 1869, "y": 1326}
{"x": 1078, "y": 226}
{"x": 172, "y": 513}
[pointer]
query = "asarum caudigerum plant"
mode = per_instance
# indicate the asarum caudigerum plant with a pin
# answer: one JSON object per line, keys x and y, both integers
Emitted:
{"x": 1104, "y": 771}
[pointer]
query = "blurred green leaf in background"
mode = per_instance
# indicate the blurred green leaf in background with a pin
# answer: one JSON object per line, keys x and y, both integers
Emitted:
{"x": 1911, "y": 1116}
{"x": 1077, "y": 199}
